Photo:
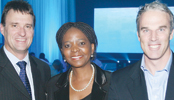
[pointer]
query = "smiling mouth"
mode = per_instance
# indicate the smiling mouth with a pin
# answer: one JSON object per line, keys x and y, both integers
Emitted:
{"x": 21, "y": 40}
{"x": 76, "y": 57}
{"x": 154, "y": 46}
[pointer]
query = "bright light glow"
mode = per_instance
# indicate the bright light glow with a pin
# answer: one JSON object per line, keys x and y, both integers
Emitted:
{"x": 116, "y": 30}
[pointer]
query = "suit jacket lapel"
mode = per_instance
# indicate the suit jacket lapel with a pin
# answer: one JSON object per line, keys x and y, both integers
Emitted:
{"x": 170, "y": 85}
{"x": 8, "y": 71}
{"x": 137, "y": 85}
{"x": 36, "y": 77}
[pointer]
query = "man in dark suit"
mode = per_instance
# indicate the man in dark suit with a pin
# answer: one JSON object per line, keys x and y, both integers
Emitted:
{"x": 151, "y": 78}
{"x": 22, "y": 77}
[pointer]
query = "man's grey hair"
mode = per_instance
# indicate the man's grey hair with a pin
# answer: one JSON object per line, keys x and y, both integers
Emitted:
{"x": 156, "y": 5}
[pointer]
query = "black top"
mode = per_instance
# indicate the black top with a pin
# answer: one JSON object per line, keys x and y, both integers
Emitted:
{"x": 58, "y": 86}
{"x": 88, "y": 97}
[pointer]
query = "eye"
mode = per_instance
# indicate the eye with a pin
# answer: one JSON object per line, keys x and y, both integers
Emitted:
{"x": 14, "y": 25}
{"x": 67, "y": 46}
{"x": 82, "y": 43}
{"x": 161, "y": 29}
{"x": 28, "y": 26}
{"x": 145, "y": 31}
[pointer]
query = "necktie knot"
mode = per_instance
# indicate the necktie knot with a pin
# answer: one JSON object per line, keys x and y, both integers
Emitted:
{"x": 22, "y": 64}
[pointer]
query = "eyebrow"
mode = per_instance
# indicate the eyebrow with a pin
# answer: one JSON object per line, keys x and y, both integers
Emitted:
{"x": 163, "y": 27}
{"x": 158, "y": 28}
{"x": 70, "y": 41}
{"x": 14, "y": 23}
{"x": 30, "y": 24}
{"x": 18, "y": 23}
{"x": 144, "y": 28}
{"x": 82, "y": 39}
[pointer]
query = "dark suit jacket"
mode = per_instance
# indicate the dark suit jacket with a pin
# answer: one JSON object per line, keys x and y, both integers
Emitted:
{"x": 11, "y": 86}
{"x": 129, "y": 84}
{"x": 58, "y": 86}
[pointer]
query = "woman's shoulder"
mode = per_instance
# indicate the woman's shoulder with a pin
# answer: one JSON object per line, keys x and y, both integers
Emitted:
{"x": 107, "y": 73}
{"x": 102, "y": 75}
{"x": 54, "y": 79}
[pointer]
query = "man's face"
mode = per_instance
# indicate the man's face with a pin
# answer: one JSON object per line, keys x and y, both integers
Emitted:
{"x": 154, "y": 34}
{"x": 18, "y": 32}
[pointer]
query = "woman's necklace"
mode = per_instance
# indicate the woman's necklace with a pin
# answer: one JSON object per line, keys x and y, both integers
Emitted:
{"x": 86, "y": 85}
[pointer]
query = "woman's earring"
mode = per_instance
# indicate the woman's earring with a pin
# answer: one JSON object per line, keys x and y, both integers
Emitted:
{"x": 92, "y": 55}
{"x": 64, "y": 60}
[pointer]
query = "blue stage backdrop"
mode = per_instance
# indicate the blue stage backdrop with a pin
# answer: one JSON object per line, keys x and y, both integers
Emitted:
{"x": 116, "y": 30}
{"x": 50, "y": 15}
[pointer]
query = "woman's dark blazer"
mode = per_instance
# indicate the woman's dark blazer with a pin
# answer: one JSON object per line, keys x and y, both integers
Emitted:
{"x": 58, "y": 86}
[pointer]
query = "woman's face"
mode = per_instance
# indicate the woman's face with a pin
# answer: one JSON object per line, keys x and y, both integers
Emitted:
{"x": 76, "y": 48}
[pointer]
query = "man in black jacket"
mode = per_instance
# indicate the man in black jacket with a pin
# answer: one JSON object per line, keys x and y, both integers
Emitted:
{"x": 22, "y": 77}
{"x": 151, "y": 78}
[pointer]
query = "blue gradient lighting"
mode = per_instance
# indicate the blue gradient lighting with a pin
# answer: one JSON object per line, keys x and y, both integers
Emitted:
{"x": 116, "y": 30}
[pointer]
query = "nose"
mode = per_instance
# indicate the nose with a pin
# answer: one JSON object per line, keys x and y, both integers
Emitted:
{"x": 154, "y": 36}
{"x": 75, "y": 49}
{"x": 22, "y": 32}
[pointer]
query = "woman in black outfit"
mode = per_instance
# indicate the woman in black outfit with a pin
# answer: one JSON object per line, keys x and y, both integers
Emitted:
{"x": 84, "y": 80}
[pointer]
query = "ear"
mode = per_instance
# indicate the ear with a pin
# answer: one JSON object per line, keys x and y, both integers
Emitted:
{"x": 171, "y": 35}
{"x": 92, "y": 48}
{"x": 2, "y": 29}
{"x": 138, "y": 35}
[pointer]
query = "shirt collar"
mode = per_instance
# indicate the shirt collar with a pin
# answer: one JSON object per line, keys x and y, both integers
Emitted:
{"x": 13, "y": 59}
{"x": 166, "y": 68}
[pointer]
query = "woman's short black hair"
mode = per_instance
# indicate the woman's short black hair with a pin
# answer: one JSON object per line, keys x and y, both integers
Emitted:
{"x": 85, "y": 28}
